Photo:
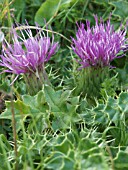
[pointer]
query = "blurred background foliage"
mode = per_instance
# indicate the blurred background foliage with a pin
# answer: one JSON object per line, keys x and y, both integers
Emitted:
{"x": 55, "y": 129}
{"x": 62, "y": 14}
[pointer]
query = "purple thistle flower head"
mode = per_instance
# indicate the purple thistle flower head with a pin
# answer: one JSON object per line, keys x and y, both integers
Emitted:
{"x": 27, "y": 55}
{"x": 99, "y": 45}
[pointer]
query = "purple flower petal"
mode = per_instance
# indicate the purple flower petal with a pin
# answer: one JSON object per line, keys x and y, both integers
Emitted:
{"x": 99, "y": 45}
{"x": 26, "y": 55}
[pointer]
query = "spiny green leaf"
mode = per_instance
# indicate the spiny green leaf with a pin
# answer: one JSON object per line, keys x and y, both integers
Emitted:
{"x": 20, "y": 110}
{"x": 112, "y": 111}
{"x": 123, "y": 76}
{"x": 68, "y": 163}
{"x": 56, "y": 99}
{"x": 64, "y": 147}
{"x": 109, "y": 87}
{"x": 37, "y": 103}
{"x": 95, "y": 162}
{"x": 121, "y": 161}
{"x": 56, "y": 163}
{"x": 123, "y": 102}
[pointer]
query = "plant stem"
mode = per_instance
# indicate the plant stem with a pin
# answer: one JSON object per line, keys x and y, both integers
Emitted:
{"x": 85, "y": 6}
{"x": 23, "y": 27}
{"x": 14, "y": 131}
{"x": 111, "y": 157}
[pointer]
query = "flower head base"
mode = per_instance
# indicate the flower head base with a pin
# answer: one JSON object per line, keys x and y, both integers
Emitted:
{"x": 28, "y": 56}
{"x": 99, "y": 45}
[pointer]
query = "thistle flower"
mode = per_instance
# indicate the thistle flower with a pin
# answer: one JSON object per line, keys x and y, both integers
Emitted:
{"x": 96, "y": 48}
{"x": 28, "y": 57}
{"x": 99, "y": 45}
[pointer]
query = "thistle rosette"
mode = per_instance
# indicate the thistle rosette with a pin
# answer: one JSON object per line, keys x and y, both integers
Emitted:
{"x": 97, "y": 47}
{"x": 27, "y": 56}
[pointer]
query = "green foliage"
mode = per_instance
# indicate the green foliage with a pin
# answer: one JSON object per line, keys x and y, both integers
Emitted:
{"x": 121, "y": 161}
{"x": 43, "y": 11}
{"x": 58, "y": 104}
{"x": 83, "y": 155}
{"x": 123, "y": 76}
{"x": 59, "y": 128}
{"x": 55, "y": 6}
{"x": 120, "y": 9}
{"x": 56, "y": 110}
{"x": 19, "y": 6}
{"x": 113, "y": 114}
{"x": 62, "y": 106}
{"x": 113, "y": 110}
{"x": 90, "y": 81}
{"x": 109, "y": 87}
{"x": 5, "y": 148}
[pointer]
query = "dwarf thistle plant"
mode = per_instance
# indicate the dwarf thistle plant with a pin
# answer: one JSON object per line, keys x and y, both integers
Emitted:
{"x": 27, "y": 56}
{"x": 96, "y": 47}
